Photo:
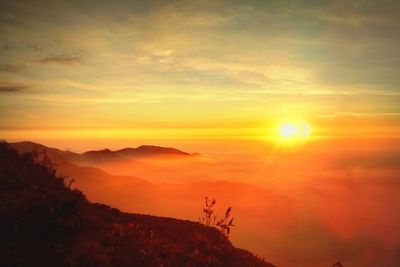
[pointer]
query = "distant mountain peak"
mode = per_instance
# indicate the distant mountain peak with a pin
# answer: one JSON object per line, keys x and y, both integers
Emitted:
{"x": 27, "y": 145}
{"x": 100, "y": 156}
{"x": 54, "y": 153}
{"x": 101, "y": 151}
{"x": 151, "y": 150}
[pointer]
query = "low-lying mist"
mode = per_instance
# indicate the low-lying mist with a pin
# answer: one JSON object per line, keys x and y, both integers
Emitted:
{"x": 307, "y": 205}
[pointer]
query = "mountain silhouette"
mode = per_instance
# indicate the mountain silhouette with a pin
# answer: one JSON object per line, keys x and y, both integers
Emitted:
{"x": 46, "y": 223}
{"x": 99, "y": 156}
{"x": 54, "y": 154}
{"x": 146, "y": 150}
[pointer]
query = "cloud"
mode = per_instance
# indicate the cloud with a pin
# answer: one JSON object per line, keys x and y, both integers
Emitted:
{"x": 26, "y": 114}
{"x": 36, "y": 47}
{"x": 388, "y": 160}
{"x": 13, "y": 89}
{"x": 11, "y": 67}
{"x": 309, "y": 242}
{"x": 6, "y": 47}
{"x": 67, "y": 60}
{"x": 275, "y": 54}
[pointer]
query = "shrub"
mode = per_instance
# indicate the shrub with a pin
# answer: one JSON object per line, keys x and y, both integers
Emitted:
{"x": 224, "y": 224}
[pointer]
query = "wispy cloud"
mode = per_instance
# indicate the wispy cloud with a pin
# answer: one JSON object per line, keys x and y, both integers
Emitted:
{"x": 11, "y": 67}
{"x": 13, "y": 89}
{"x": 6, "y": 47}
{"x": 325, "y": 56}
{"x": 25, "y": 113}
{"x": 67, "y": 60}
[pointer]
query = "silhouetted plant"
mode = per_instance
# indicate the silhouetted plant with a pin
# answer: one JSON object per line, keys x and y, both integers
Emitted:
{"x": 337, "y": 264}
{"x": 40, "y": 155}
{"x": 226, "y": 223}
{"x": 208, "y": 211}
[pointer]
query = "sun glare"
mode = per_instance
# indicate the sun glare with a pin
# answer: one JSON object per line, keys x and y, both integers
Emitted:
{"x": 294, "y": 131}
{"x": 287, "y": 130}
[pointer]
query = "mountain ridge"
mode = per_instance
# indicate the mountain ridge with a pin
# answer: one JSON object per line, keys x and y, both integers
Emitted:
{"x": 46, "y": 223}
{"x": 146, "y": 150}
{"x": 102, "y": 155}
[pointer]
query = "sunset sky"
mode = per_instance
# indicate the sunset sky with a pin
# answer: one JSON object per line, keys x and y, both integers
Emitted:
{"x": 238, "y": 82}
{"x": 201, "y": 69}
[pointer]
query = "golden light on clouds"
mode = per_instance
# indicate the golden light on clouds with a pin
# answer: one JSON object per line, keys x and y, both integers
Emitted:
{"x": 135, "y": 65}
{"x": 299, "y": 99}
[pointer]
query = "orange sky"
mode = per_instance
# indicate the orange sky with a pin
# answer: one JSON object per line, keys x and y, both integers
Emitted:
{"x": 197, "y": 69}
{"x": 219, "y": 78}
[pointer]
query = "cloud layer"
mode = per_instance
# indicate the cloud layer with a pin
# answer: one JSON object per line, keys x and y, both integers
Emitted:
{"x": 260, "y": 58}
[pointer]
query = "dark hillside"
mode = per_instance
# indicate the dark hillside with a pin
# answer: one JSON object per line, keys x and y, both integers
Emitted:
{"x": 45, "y": 223}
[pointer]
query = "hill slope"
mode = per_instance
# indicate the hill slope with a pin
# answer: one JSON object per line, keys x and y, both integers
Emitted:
{"x": 45, "y": 223}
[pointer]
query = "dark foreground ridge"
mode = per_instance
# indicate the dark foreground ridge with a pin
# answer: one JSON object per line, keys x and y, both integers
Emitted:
{"x": 45, "y": 223}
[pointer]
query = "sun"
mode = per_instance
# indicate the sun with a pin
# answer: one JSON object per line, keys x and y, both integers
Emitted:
{"x": 294, "y": 131}
{"x": 287, "y": 130}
